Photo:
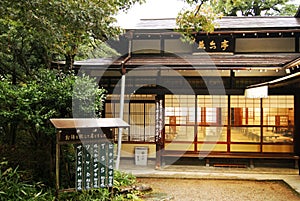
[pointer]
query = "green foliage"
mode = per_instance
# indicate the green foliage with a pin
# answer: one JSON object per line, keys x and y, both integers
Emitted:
{"x": 34, "y": 33}
{"x": 101, "y": 194}
{"x": 88, "y": 99}
{"x": 121, "y": 179}
{"x": 13, "y": 187}
{"x": 25, "y": 115}
{"x": 201, "y": 18}
{"x": 250, "y": 7}
{"x": 95, "y": 49}
{"x": 31, "y": 104}
{"x": 205, "y": 12}
{"x": 48, "y": 95}
{"x": 288, "y": 10}
{"x": 9, "y": 111}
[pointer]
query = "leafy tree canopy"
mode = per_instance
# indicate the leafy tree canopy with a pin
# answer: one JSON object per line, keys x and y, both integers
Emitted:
{"x": 252, "y": 7}
{"x": 192, "y": 21}
{"x": 26, "y": 110}
{"x": 35, "y": 32}
{"x": 202, "y": 17}
{"x": 32, "y": 35}
{"x": 49, "y": 94}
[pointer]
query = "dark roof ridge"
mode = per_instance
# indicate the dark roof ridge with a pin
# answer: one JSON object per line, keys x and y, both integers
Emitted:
{"x": 225, "y": 17}
{"x": 266, "y": 16}
{"x": 167, "y": 18}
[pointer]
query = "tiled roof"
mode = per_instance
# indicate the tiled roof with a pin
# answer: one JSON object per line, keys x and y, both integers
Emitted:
{"x": 225, "y": 23}
{"x": 202, "y": 61}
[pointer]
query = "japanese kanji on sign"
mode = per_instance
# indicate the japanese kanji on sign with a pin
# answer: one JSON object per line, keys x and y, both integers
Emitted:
{"x": 214, "y": 44}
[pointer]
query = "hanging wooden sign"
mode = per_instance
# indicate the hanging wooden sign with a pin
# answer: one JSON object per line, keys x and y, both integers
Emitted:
{"x": 217, "y": 43}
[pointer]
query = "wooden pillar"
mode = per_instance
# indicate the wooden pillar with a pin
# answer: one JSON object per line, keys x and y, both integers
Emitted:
{"x": 232, "y": 79}
{"x": 261, "y": 125}
{"x": 228, "y": 140}
{"x": 57, "y": 161}
{"x": 297, "y": 125}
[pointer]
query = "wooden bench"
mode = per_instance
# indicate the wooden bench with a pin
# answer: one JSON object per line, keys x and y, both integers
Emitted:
{"x": 247, "y": 156}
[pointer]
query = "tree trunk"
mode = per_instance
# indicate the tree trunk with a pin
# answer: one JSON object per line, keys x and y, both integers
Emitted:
{"x": 233, "y": 12}
{"x": 13, "y": 133}
{"x": 52, "y": 162}
{"x": 69, "y": 62}
{"x": 14, "y": 75}
{"x": 256, "y": 10}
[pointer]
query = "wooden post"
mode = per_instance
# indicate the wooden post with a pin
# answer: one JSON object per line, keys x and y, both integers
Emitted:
{"x": 121, "y": 117}
{"x": 297, "y": 125}
{"x": 57, "y": 156}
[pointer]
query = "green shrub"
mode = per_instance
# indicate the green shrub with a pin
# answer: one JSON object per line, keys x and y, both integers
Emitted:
{"x": 102, "y": 194}
{"x": 121, "y": 179}
{"x": 13, "y": 187}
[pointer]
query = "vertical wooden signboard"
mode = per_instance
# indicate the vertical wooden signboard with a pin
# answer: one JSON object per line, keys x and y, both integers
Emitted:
{"x": 94, "y": 150}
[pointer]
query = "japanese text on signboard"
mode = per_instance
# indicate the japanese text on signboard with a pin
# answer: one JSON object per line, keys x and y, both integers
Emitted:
{"x": 214, "y": 44}
{"x": 94, "y": 165}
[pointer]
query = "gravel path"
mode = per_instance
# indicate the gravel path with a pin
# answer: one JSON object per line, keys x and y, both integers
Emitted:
{"x": 222, "y": 190}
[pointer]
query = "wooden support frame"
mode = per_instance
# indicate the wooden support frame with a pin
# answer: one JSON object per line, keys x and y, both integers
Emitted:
{"x": 80, "y": 131}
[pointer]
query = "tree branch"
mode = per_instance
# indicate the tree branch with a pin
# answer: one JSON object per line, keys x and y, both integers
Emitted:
{"x": 198, "y": 9}
{"x": 9, "y": 71}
